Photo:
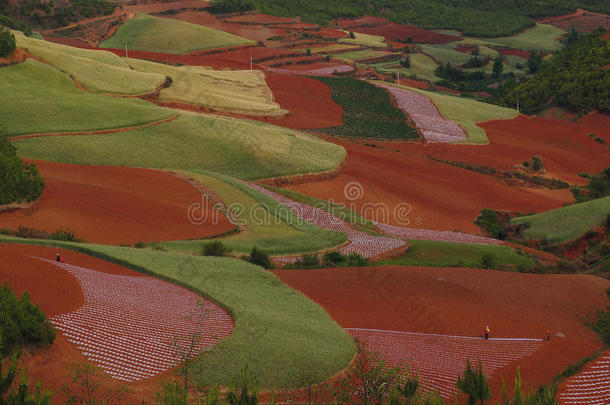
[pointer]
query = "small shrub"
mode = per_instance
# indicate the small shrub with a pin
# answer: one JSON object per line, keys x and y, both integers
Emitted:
{"x": 488, "y": 261}
{"x": 308, "y": 262}
{"x": 260, "y": 258}
{"x": 489, "y": 222}
{"x": 352, "y": 35}
{"x": 66, "y": 234}
{"x": 7, "y": 42}
{"x": 215, "y": 248}
{"x": 31, "y": 233}
{"x": 602, "y": 325}
{"x": 139, "y": 245}
{"x": 537, "y": 164}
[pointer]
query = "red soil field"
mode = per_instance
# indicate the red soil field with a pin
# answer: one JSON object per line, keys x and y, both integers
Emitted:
{"x": 461, "y": 302}
{"x": 57, "y": 291}
{"x": 308, "y": 100}
{"x": 439, "y": 196}
{"x": 606, "y": 37}
{"x": 252, "y": 32}
{"x": 417, "y": 84}
{"x": 448, "y": 90}
{"x": 516, "y": 52}
{"x": 165, "y": 6}
{"x": 393, "y": 32}
{"x": 465, "y": 48}
{"x": 67, "y": 41}
{"x": 582, "y": 21}
{"x": 115, "y": 205}
{"x": 259, "y": 19}
{"x": 364, "y": 20}
{"x": 564, "y": 146}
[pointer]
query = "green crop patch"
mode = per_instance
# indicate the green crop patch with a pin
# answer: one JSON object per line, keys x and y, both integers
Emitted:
{"x": 566, "y": 223}
{"x": 240, "y": 148}
{"x": 368, "y": 111}
{"x": 40, "y": 99}
{"x": 165, "y": 35}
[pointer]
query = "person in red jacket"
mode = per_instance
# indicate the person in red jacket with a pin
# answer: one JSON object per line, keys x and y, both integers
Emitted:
{"x": 486, "y": 332}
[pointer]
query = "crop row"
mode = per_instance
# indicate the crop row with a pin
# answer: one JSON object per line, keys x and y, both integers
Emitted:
{"x": 135, "y": 327}
{"x": 438, "y": 360}
{"x": 433, "y": 126}
{"x": 591, "y": 387}
{"x": 441, "y": 236}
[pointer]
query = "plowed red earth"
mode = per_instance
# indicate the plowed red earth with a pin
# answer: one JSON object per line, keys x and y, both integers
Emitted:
{"x": 564, "y": 146}
{"x": 308, "y": 100}
{"x": 460, "y": 302}
{"x": 165, "y": 6}
{"x": 115, "y": 205}
{"x": 516, "y": 52}
{"x": 253, "y": 32}
{"x": 582, "y": 21}
{"x": 57, "y": 291}
{"x": 433, "y": 195}
{"x": 393, "y": 32}
{"x": 591, "y": 386}
{"x": 364, "y": 20}
{"x": 259, "y": 19}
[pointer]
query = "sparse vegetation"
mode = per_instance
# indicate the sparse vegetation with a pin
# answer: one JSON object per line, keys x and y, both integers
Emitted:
{"x": 18, "y": 181}
{"x": 215, "y": 248}
{"x": 7, "y": 42}
{"x": 21, "y": 322}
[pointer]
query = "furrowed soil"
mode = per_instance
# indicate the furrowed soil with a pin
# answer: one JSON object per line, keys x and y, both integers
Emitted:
{"x": 116, "y": 205}
{"x": 57, "y": 292}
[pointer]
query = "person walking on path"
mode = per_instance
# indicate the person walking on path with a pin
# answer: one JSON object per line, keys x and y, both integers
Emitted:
{"x": 58, "y": 258}
{"x": 548, "y": 335}
{"x": 486, "y": 332}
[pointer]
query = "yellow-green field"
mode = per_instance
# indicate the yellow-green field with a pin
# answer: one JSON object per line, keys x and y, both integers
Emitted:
{"x": 37, "y": 98}
{"x": 165, "y": 35}
{"x": 542, "y": 37}
{"x": 97, "y": 71}
{"x": 242, "y": 92}
{"x": 373, "y": 41}
{"x": 422, "y": 66}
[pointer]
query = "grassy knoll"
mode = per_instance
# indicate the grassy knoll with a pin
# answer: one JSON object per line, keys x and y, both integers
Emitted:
{"x": 279, "y": 334}
{"x": 239, "y": 148}
{"x": 152, "y": 34}
{"x": 467, "y": 113}
{"x": 447, "y": 254}
{"x": 242, "y": 92}
{"x": 362, "y": 54}
{"x": 270, "y": 226}
{"x": 339, "y": 210}
{"x": 422, "y": 67}
{"x": 374, "y": 41}
{"x": 542, "y": 37}
{"x": 40, "y": 99}
{"x": 368, "y": 111}
{"x": 97, "y": 71}
{"x": 565, "y": 223}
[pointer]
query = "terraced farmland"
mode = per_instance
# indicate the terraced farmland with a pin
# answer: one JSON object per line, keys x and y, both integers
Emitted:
{"x": 28, "y": 87}
{"x": 152, "y": 34}
{"x": 97, "y": 71}
{"x": 242, "y": 92}
{"x": 542, "y": 37}
{"x": 589, "y": 387}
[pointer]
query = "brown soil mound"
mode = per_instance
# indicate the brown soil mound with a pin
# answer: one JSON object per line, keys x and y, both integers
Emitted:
{"x": 115, "y": 205}
{"x": 461, "y": 302}
{"x": 424, "y": 194}
{"x": 56, "y": 291}
{"x": 564, "y": 146}
{"x": 308, "y": 100}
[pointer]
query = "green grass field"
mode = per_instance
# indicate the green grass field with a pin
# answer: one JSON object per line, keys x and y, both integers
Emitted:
{"x": 447, "y": 254}
{"x": 362, "y": 54}
{"x": 39, "y": 99}
{"x": 270, "y": 226}
{"x": 373, "y": 41}
{"x": 281, "y": 336}
{"x": 422, "y": 66}
{"x": 97, "y": 71}
{"x": 239, "y": 148}
{"x": 241, "y": 91}
{"x": 542, "y": 37}
{"x": 368, "y": 111}
{"x": 152, "y": 34}
{"x": 467, "y": 113}
{"x": 566, "y": 223}
{"x": 332, "y": 48}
